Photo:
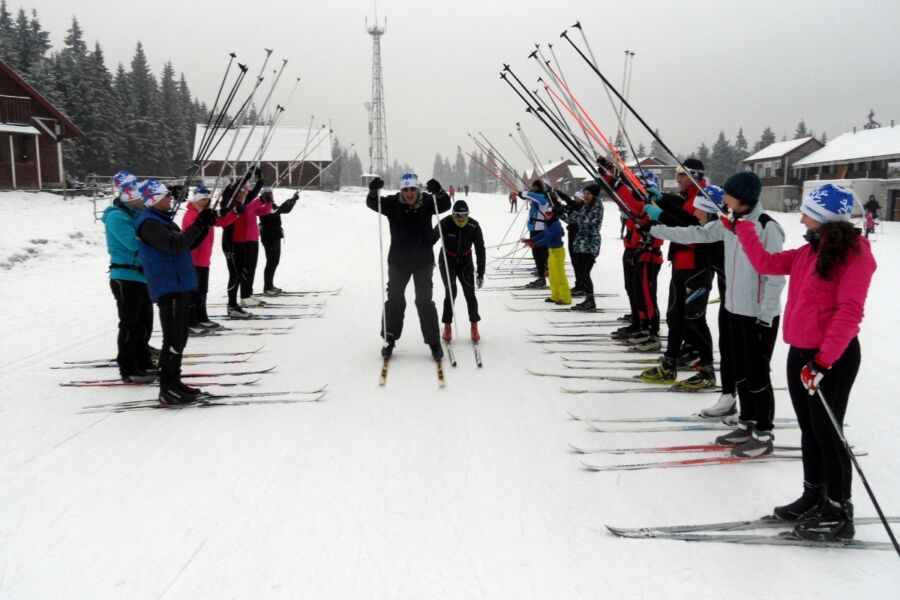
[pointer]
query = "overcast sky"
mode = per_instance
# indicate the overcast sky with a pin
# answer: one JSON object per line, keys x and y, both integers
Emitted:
{"x": 700, "y": 66}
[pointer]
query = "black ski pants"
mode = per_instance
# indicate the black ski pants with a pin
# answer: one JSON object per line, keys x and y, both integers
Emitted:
{"x": 583, "y": 263}
{"x": 272, "y": 247}
{"x": 751, "y": 350}
{"x": 395, "y": 306}
{"x": 198, "y": 312}
{"x": 825, "y": 459}
{"x": 465, "y": 273}
{"x": 686, "y": 315}
{"x": 233, "y": 254}
{"x": 628, "y": 266}
{"x": 541, "y": 255}
{"x": 135, "y": 325}
{"x": 174, "y": 312}
{"x": 249, "y": 259}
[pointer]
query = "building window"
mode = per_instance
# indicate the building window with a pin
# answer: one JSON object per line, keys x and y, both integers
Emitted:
{"x": 24, "y": 146}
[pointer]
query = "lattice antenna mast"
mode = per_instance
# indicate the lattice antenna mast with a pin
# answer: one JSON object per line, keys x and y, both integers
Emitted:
{"x": 378, "y": 149}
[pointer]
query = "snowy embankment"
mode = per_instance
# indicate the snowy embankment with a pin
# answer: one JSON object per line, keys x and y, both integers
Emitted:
{"x": 406, "y": 491}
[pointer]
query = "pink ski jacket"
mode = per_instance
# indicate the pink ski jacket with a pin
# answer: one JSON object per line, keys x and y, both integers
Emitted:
{"x": 248, "y": 219}
{"x": 202, "y": 253}
{"x": 818, "y": 314}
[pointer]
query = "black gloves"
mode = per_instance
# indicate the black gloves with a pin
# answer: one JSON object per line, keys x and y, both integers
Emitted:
{"x": 206, "y": 218}
{"x": 433, "y": 186}
{"x": 295, "y": 197}
{"x": 376, "y": 184}
{"x": 479, "y": 281}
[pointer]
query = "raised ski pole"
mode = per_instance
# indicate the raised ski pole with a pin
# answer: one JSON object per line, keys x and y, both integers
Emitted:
{"x": 637, "y": 115}
{"x": 840, "y": 432}
{"x": 508, "y": 164}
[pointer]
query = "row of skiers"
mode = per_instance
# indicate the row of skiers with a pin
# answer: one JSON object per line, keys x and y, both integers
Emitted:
{"x": 411, "y": 256}
{"x": 724, "y": 233}
{"x": 153, "y": 260}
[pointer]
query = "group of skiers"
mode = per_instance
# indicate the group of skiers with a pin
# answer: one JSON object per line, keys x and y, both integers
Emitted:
{"x": 725, "y": 233}
{"x": 410, "y": 256}
{"x": 153, "y": 260}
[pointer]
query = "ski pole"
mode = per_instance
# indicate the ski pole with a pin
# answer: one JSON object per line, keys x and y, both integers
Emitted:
{"x": 640, "y": 119}
{"x": 384, "y": 331}
{"x": 840, "y": 432}
{"x": 490, "y": 171}
{"x": 563, "y": 77}
{"x": 499, "y": 174}
{"x": 508, "y": 164}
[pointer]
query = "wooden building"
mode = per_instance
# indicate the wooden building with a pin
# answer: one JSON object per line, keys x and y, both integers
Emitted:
{"x": 774, "y": 166}
{"x": 31, "y": 135}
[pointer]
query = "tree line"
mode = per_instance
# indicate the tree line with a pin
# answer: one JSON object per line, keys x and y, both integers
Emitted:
{"x": 130, "y": 118}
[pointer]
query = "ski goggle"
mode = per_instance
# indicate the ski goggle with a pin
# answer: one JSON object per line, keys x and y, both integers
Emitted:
{"x": 460, "y": 215}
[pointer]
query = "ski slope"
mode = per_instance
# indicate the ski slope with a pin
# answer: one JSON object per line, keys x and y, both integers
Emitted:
{"x": 405, "y": 491}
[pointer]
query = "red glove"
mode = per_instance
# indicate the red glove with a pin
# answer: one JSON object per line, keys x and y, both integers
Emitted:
{"x": 811, "y": 374}
{"x": 528, "y": 242}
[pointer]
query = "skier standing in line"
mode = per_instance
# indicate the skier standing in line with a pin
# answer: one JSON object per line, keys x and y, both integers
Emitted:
{"x": 829, "y": 282}
{"x": 587, "y": 220}
{"x": 538, "y": 207}
{"x": 461, "y": 234}
{"x": 752, "y": 305}
{"x": 247, "y": 222}
{"x": 550, "y": 241}
{"x": 165, "y": 253}
{"x": 690, "y": 285}
{"x": 201, "y": 256}
{"x": 410, "y": 256}
{"x": 270, "y": 234}
{"x": 128, "y": 283}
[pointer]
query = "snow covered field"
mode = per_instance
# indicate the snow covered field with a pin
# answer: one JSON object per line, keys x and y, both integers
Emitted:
{"x": 406, "y": 491}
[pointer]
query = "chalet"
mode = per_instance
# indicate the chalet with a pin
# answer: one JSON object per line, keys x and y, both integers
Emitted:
{"x": 294, "y": 156}
{"x": 867, "y": 161}
{"x": 774, "y": 166}
{"x": 31, "y": 135}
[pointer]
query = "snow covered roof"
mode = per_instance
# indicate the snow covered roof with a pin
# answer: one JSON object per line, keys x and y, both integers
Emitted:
{"x": 288, "y": 141}
{"x": 20, "y": 129}
{"x": 547, "y": 168}
{"x": 778, "y": 149}
{"x": 579, "y": 172}
{"x": 867, "y": 144}
{"x": 647, "y": 161}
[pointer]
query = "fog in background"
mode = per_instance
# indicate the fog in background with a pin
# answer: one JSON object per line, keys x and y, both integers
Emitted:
{"x": 699, "y": 66}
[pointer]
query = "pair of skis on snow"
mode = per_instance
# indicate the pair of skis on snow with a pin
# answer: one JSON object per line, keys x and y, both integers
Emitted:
{"x": 212, "y": 400}
{"x": 725, "y": 533}
{"x": 385, "y": 365}
{"x": 448, "y": 347}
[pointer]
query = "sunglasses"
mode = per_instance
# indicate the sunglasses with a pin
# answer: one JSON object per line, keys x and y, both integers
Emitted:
{"x": 460, "y": 215}
{"x": 406, "y": 189}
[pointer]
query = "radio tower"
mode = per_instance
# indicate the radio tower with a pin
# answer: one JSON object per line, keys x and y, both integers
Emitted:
{"x": 378, "y": 152}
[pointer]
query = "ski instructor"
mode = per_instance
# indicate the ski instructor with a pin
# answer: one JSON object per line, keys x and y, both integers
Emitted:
{"x": 410, "y": 256}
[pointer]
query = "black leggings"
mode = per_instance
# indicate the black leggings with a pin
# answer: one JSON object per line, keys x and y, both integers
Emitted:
{"x": 173, "y": 316}
{"x": 272, "y": 248}
{"x": 249, "y": 258}
{"x": 583, "y": 263}
{"x": 465, "y": 273}
{"x": 825, "y": 459}
{"x": 198, "y": 312}
{"x": 751, "y": 351}
{"x": 540, "y": 254}
{"x": 233, "y": 254}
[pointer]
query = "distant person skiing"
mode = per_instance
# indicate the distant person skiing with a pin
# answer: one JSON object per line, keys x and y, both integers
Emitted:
{"x": 870, "y": 218}
{"x": 461, "y": 234}
{"x": 466, "y": 190}
{"x": 452, "y": 192}
{"x": 410, "y": 256}
{"x": 513, "y": 201}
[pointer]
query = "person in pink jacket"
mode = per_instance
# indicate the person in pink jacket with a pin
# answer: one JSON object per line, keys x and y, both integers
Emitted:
{"x": 199, "y": 319}
{"x": 248, "y": 222}
{"x": 829, "y": 282}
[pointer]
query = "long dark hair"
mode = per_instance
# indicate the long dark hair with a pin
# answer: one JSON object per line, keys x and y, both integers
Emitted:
{"x": 836, "y": 240}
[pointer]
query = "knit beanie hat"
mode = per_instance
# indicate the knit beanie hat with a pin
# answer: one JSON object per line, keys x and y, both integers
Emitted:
{"x": 828, "y": 202}
{"x": 409, "y": 180}
{"x": 649, "y": 179}
{"x": 128, "y": 192}
{"x": 714, "y": 203}
{"x": 121, "y": 178}
{"x": 593, "y": 189}
{"x": 745, "y": 187}
{"x": 694, "y": 165}
{"x": 460, "y": 208}
{"x": 201, "y": 192}
{"x": 152, "y": 191}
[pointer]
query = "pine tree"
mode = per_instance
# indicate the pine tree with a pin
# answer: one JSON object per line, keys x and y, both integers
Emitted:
{"x": 437, "y": 169}
{"x": 73, "y": 89}
{"x": 175, "y": 157}
{"x": 145, "y": 134}
{"x": 824, "y": 138}
{"x": 766, "y": 139}
{"x": 703, "y": 155}
{"x": 459, "y": 169}
{"x": 801, "y": 131}
{"x": 721, "y": 163}
{"x": 123, "y": 105}
{"x": 741, "y": 147}
{"x": 641, "y": 150}
{"x": 657, "y": 151}
{"x": 8, "y": 50}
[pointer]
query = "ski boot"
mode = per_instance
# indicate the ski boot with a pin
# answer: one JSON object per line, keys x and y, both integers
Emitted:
{"x": 448, "y": 333}
{"x": 703, "y": 379}
{"x": 538, "y": 284}
{"x": 174, "y": 397}
{"x": 759, "y": 444}
{"x": 475, "y": 335}
{"x": 577, "y": 292}
{"x": 237, "y": 312}
{"x": 813, "y": 496}
{"x": 139, "y": 376}
{"x": 830, "y": 521}
{"x": 251, "y": 302}
{"x": 725, "y": 406}
{"x": 664, "y": 372}
{"x": 437, "y": 353}
{"x": 741, "y": 434}
{"x": 587, "y": 305}
{"x": 388, "y": 349}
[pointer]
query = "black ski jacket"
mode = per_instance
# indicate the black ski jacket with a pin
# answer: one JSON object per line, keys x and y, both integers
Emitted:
{"x": 411, "y": 244}
{"x": 459, "y": 242}
{"x": 270, "y": 225}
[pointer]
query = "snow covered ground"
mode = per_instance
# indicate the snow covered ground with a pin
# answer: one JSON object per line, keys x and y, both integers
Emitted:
{"x": 406, "y": 491}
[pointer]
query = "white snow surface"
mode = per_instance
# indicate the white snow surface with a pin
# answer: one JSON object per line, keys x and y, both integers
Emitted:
{"x": 406, "y": 491}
